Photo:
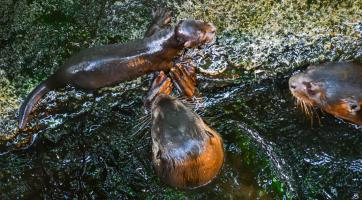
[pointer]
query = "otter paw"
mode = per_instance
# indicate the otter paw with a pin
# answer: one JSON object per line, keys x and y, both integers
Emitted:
{"x": 161, "y": 84}
{"x": 161, "y": 17}
{"x": 184, "y": 78}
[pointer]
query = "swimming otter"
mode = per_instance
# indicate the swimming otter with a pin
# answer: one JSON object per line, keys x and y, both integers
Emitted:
{"x": 186, "y": 153}
{"x": 103, "y": 66}
{"x": 334, "y": 87}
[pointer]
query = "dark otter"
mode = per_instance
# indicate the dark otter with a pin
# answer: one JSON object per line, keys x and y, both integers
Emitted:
{"x": 334, "y": 87}
{"x": 102, "y": 66}
{"x": 185, "y": 151}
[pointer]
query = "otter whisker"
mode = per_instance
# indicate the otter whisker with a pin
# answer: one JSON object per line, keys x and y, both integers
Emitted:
{"x": 142, "y": 118}
{"x": 303, "y": 107}
{"x": 306, "y": 108}
{"x": 311, "y": 114}
{"x": 199, "y": 99}
{"x": 142, "y": 122}
{"x": 187, "y": 102}
{"x": 297, "y": 102}
{"x": 141, "y": 127}
{"x": 319, "y": 119}
{"x": 309, "y": 110}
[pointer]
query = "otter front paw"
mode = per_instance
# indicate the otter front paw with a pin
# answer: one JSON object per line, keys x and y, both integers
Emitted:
{"x": 161, "y": 17}
{"x": 184, "y": 78}
{"x": 160, "y": 85}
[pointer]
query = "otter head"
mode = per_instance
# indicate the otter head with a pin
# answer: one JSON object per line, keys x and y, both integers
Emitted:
{"x": 307, "y": 90}
{"x": 192, "y": 33}
{"x": 334, "y": 87}
{"x": 163, "y": 103}
{"x": 186, "y": 153}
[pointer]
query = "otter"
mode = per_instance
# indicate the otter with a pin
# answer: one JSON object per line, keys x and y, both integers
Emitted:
{"x": 334, "y": 87}
{"x": 102, "y": 66}
{"x": 186, "y": 153}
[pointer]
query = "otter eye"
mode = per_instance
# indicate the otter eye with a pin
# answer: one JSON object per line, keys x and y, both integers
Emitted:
{"x": 352, "y": 103}
{"x": 353, "y": 106}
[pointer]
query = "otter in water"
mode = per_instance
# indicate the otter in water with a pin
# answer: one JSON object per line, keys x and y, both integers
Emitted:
{"x": 103, "y": 66}
{"x": 334, "y": 87}
{"x": 186, "y": 152}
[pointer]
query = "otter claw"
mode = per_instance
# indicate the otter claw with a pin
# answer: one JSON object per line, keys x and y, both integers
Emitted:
{"x": 160, "y": 84}
{"x": 184, "y": 78}
{"x": 161, "y": 16}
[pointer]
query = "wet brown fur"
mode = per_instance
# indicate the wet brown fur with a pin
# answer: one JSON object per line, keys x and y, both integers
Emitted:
{"x": 334, "y": 87}
{"x": 108, "y": 65}
{"x": 186, "y": 152}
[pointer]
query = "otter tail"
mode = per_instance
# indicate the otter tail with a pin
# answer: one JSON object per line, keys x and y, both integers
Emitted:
{"x": 32, "y": 99}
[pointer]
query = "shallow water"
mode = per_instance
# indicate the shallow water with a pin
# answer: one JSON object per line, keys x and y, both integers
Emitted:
{"x": 84, "y": 144}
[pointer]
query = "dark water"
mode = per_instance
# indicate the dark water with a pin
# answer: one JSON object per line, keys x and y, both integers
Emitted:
{"x": 93, "y": 154}
{"x": 320, "y": 160}
{"x": 270, "y": 147}
{"x": 84, "y": 144}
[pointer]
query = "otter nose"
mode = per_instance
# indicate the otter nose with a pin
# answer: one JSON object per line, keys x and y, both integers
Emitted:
{"x": 294, "y": 82}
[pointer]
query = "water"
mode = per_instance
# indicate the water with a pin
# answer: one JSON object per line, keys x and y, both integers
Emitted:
{"x": 82, "y": 144}
{"x": 319, "y": 160}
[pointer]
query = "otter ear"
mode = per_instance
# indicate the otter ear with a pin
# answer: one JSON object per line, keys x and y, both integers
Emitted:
{"x": 353, "y": 105}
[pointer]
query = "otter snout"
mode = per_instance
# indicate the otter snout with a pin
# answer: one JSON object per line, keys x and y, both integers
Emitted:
{"x": 210, "y": 33}
{"x": 193, "y": 33}
{"x": 298, "y": 83}
{"x": 305, "y": 89}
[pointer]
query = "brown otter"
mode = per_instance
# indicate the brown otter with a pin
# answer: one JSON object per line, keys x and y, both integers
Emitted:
{"x": 334, "y": 87}
{"x": 186, "y": 153}
{"x": 103, "y": 66}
